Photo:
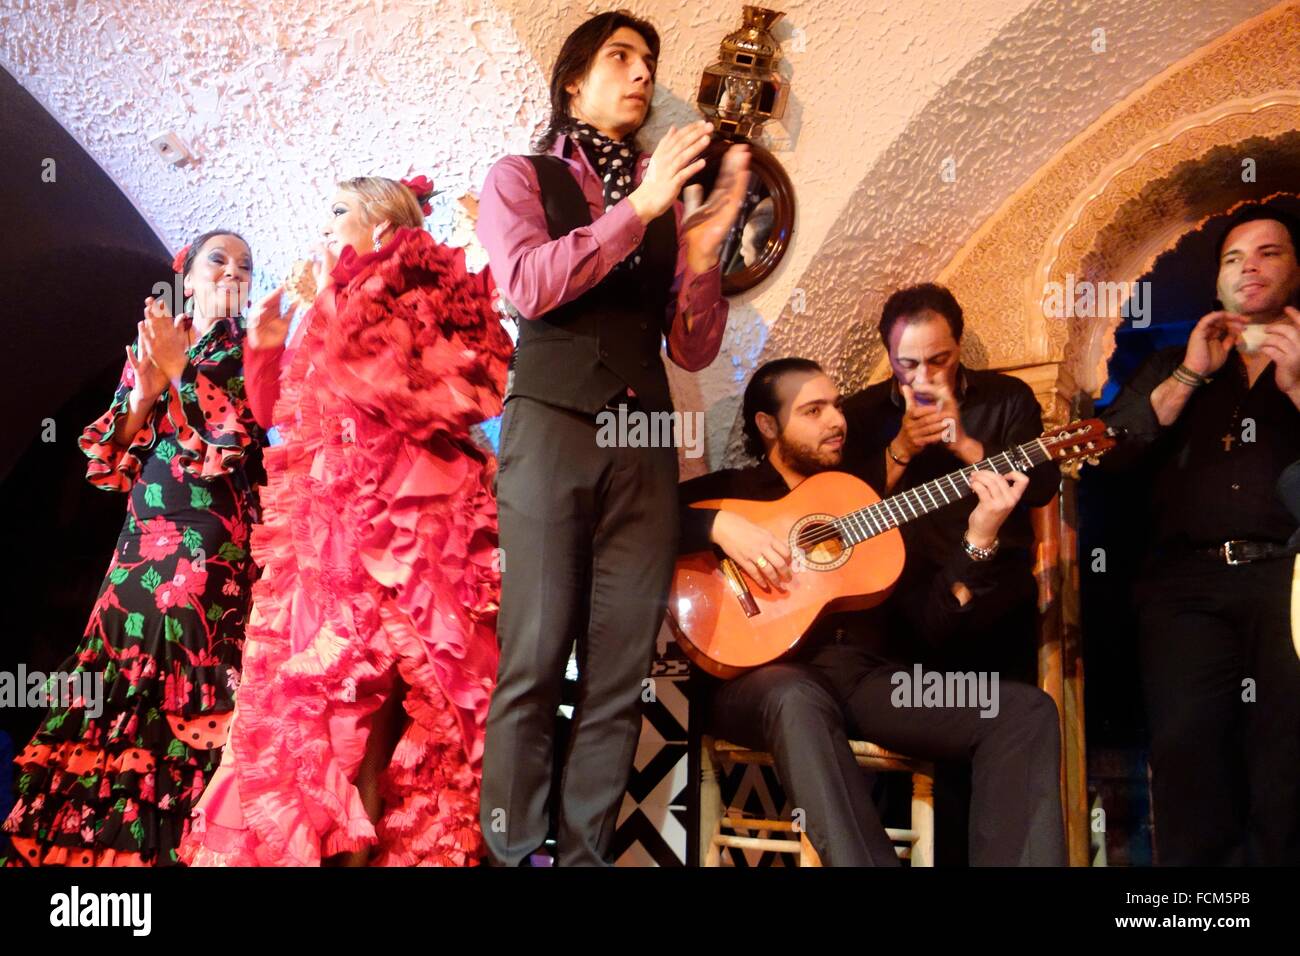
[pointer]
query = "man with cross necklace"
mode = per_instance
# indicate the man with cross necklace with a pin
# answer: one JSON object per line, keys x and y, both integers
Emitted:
{"x": 1221, "y": 677}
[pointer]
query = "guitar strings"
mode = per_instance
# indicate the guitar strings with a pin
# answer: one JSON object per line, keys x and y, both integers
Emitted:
{"x": 884, "y": 516}
{"x": 877, "y": 514}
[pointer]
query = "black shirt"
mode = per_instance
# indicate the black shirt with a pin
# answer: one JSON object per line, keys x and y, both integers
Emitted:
{"x": 1207, "y": 490}
{"x": 997, "y": 410}
{"x": 926, "y": 602}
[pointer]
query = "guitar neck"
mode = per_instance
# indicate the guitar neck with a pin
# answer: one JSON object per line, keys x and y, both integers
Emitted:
{"x": 916, "y": 502}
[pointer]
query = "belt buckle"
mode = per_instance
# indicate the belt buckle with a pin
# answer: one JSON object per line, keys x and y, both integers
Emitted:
{"x": 1228, "y": 556}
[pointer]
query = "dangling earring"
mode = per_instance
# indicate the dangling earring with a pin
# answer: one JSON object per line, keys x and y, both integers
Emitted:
{"x": 377, "y": 243}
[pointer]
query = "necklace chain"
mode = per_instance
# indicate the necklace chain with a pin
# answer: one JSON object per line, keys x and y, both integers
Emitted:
{"x": 1234, "y": 428}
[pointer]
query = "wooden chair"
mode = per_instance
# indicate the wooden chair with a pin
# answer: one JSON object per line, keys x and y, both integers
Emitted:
{"x": 722, "y": 826}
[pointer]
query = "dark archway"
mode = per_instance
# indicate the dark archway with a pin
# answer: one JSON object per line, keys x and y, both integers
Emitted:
{"x": 76, "y": 262}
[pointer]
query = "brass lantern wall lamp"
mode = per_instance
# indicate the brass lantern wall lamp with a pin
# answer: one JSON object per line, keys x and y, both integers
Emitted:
{"x": 743, "y": 90}
{"x": 738, "y": 94}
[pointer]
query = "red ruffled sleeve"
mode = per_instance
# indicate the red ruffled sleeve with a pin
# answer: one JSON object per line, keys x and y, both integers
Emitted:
{"x": 112, "y": 466}
{"x": 415, "y": 339}
{"x": 208, "y": 418}
{"x": 262, "y": 369}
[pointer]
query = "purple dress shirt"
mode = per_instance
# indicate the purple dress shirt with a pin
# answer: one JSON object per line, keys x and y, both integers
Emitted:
{"x": 536, "y": 273}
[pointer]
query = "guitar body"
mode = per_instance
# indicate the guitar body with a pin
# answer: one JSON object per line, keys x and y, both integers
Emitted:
{"x": 727, "y": 624}
{"x": 709, "y": 619}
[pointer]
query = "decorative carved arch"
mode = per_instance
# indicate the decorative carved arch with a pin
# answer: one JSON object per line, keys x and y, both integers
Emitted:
{"x": 1152, "y": 167}
{"x": 1155, "y": 166}
{"x": 1170, "y": 184}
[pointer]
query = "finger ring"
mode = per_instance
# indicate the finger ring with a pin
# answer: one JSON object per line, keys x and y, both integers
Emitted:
{"x": 761, "y": 562}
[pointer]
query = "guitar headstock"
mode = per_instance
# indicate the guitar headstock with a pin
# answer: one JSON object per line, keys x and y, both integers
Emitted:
{"x": 1081, "y": 441}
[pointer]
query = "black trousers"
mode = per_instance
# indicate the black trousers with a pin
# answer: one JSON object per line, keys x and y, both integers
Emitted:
{"x": 803, "y": 713}
{"x": 589, "y": 537}
{"x": 1221, "y": 680}
{"x": 1000, "y": 636}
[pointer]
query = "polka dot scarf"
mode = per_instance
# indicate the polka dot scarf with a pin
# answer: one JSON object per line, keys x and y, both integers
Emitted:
{"x": 615, "y": 164}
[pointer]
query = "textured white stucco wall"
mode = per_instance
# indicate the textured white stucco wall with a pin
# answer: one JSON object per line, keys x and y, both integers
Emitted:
{"x": 279, "y": 100}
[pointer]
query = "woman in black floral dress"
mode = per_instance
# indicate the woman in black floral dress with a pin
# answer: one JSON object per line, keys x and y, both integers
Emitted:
{"x": 111, "y": 781}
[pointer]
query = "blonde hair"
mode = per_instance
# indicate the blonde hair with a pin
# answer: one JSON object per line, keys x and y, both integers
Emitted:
{"x": 383, "y": 198}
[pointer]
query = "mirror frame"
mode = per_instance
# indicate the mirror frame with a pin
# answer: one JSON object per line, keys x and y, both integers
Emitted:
{"x": 766, "y": 166}
{"x": 763, "y": 164}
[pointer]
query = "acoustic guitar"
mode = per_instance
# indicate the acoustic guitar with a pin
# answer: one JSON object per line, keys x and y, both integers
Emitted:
{"x": 846, "y": 554}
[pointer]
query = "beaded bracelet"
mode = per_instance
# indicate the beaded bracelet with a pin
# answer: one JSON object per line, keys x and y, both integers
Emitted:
{"x": 1185, "y": 376}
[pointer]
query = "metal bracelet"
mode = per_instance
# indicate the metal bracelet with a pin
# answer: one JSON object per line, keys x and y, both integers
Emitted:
{"x": 978, "y": 554}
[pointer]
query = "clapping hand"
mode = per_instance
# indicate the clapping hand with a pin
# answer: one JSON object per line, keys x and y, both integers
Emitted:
{"x": 675, "y": 160}
{"x": 267, "y": 327}
{"x": 706, "y": 226}
{"x": 1212, "y": 341}
{"x": 164, "y": 344}
{"x": 1282, "y": 345}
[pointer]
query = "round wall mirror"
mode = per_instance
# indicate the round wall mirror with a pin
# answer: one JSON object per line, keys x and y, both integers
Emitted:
{"x": 761, "y": 232}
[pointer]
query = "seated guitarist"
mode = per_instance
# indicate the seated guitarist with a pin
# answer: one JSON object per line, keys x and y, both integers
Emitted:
{"x": 840, "y": 681}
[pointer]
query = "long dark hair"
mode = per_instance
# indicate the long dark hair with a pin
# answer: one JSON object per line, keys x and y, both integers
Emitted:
{"x": 760, "y": 396}
{"x": 576, "y": 55}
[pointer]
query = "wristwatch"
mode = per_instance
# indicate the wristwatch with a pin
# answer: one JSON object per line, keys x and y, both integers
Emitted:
{"x": 978, "y": 554}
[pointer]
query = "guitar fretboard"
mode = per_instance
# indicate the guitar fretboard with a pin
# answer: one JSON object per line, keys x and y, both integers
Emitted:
{"x": 901, "y": 508}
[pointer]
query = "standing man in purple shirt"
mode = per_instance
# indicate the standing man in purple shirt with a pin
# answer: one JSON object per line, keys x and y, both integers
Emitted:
{"x": 590, "y": 249}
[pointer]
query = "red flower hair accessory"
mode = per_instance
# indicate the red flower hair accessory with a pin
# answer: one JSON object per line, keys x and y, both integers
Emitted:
{"x": 178, "y": 261}
{"x": 422, "y": 187}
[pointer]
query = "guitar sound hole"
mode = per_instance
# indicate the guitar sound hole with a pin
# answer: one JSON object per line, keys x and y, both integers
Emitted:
{"x": 827, "y": 547}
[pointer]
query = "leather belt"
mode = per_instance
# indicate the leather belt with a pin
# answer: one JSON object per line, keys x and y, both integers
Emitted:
{"x": 1244, "y": 552}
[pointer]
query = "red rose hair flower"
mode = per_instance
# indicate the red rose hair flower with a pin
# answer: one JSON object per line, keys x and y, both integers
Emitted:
{"x": 178, "y": 261}
{"x": 422, "y": 187}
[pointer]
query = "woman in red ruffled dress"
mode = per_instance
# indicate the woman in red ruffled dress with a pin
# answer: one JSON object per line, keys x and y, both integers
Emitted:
{"x": 371, "y": 646}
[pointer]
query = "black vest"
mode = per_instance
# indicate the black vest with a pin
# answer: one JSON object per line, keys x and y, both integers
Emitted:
{"x": 589, "y": 350}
